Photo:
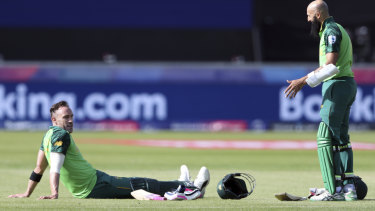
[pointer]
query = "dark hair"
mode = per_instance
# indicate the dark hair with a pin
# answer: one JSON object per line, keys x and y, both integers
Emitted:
{"x": 58, "y": 105}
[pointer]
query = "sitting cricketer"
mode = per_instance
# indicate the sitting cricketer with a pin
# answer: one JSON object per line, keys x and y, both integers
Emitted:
{"x": 59, "y": 150}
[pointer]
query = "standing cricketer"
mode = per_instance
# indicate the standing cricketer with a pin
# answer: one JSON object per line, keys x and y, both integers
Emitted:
{"x": 338, "y": 91}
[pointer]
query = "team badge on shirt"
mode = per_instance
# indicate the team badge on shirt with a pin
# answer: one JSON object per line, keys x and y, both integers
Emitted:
{"x": 331, "y": 39}
{"x": 58, "y": 143}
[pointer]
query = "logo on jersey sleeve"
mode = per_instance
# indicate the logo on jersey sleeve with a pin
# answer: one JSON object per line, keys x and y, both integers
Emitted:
{"x": 58, "y": 143}
{"x": 321, "y": 52}
{"x": 331, "y": 39}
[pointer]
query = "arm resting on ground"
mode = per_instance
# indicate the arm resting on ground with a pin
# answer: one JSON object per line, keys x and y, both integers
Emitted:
{"x": 41, "y": 165}
{"x": 57, "y": 160}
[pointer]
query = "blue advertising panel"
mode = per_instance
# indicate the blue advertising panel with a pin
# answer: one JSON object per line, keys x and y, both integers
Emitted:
{"x": 127, "y": 13}
{"x": 169, "y": 106}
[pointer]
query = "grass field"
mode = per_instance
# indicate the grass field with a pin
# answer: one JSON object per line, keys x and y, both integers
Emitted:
{"x": 276, "y": 171}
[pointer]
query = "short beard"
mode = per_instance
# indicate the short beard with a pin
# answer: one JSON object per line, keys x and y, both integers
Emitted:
{"x": 315, "y": 28}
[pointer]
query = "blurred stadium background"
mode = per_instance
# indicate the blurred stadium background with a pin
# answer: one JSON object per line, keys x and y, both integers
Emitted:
{"x": 188, "y": 65}
{"x": 163, "y": 71}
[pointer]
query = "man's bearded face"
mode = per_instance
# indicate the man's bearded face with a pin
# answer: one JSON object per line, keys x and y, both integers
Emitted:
{"x": 315, "y": 28}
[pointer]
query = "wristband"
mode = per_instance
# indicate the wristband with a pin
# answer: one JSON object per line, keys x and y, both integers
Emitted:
{"x": 35, "y": 177}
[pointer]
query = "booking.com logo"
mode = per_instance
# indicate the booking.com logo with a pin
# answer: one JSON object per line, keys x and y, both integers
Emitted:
{"x": 24, "y": 105}
{"x": 308, "y": 107}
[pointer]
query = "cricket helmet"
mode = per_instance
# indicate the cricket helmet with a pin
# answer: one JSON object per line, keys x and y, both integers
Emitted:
{"x": 236, "y": 186}
{"x": 360, "y": 187}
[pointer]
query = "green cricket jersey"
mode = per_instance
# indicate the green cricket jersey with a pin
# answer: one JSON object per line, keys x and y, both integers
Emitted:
{"x": 76, "y": 173}
{"x": 334, "y": 38}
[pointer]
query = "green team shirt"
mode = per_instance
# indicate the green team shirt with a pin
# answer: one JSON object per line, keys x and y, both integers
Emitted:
{"x": 76, "y": 173}
{"x": 334, "y": 38}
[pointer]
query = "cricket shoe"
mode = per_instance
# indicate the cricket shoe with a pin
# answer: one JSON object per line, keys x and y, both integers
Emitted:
{"x": 177, "y": 194}
{"x": 185, "y": 175}
{"x": 316, "y": 191}
{"x": 192, "y": 194}
{"x": 183, "y": 193}
{"x": 350, "y": 192}
{"x": 351, "y": 195}
{"x": 326, "y": 196}
{"x": 202, "y": 180}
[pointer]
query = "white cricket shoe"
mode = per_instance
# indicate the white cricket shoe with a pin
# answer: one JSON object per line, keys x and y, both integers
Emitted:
{"x": 326, "y": 196}
{"x": 202, "y": 180}
{"x": 177, "y": 194}
{"x": 183, "y": 193}
{"x": 185, "y": 175}
{"x": 316, "y": 191}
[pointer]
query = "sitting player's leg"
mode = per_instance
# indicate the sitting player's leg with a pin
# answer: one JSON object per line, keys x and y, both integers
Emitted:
{"x": 200, "y": 182}
{"x": 197, "y": 188}
{"x": 184, "y": 180}
{"x": 120, "y": 187}
{"x": 161, "y": 187}
{"x": 108, "y": 187}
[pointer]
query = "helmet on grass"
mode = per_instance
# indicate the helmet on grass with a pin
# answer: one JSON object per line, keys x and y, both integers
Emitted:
{"x": 236, "y": 186}
{"x": 360, "y": 187}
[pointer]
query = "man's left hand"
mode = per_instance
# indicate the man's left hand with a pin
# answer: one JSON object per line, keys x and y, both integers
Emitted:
{"x": 54, "y": 196}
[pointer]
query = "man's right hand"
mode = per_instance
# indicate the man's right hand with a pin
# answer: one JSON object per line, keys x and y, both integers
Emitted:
{"x": 19, "y": 195}
{"x": 294, "y": 87}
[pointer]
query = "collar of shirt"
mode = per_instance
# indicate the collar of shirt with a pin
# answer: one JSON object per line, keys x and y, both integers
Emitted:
{"x": 325, "y": 22}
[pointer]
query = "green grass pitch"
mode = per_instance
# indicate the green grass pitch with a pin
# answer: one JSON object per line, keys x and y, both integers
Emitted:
{"x": 276, "y": 171}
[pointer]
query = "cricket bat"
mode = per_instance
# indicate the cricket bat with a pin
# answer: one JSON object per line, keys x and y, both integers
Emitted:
{"x": 289, "y": 197}
{"x": 144, "y": 195}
